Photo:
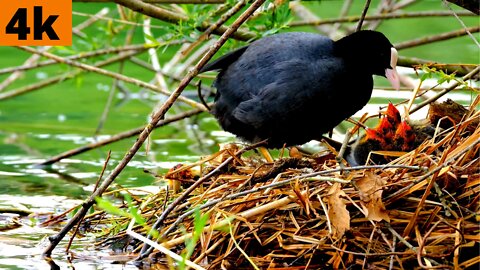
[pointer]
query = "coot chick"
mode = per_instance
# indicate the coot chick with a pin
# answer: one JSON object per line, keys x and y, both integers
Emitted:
{"x": 380, "y": 138}
{"x": 371, "y": 141}
{"x": 291, "y": 88}
{"x": 391, "y": 134}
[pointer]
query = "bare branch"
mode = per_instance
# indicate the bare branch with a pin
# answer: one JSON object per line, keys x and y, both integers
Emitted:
{"x": 362, "y": 17}
{"x": 112, "y": 74}
{"x": 175, "y": 18}
{"x": 63, "y": 77}
{"x": 435, "y": 38}
{"x": 446, "y": 90}
{"x": 461, "y": 23}
{"x": 459, "y": 69}
{"x": 117, "y": 137}
{"x": 34, "y": 58}
{"x": 386, "y": 16}
{"x": 239, "y": 21}
{"x": 83, "y": 55}
{"x": 156, "y": 117}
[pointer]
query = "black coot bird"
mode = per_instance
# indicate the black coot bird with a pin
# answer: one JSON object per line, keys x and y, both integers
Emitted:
{"x": 291, "y": 88}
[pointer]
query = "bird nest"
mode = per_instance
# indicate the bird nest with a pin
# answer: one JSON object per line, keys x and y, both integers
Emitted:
{"x": 419, "y": 210}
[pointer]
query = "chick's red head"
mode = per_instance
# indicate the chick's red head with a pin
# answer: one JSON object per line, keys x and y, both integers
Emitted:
{"x": 385, "y": 129}
{"x": 404, "y": 137}
{"x": 374, "y": 135}
{"x": 393, "y": 115}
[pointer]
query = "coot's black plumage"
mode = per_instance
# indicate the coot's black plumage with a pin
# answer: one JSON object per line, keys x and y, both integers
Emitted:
{"x": 291, "y": 88}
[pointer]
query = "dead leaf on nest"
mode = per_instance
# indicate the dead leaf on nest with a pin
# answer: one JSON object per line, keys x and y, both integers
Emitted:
{"x": 337, "y": 211}
{"x": 371, "y": 187}
{"x": 294, "y": 153}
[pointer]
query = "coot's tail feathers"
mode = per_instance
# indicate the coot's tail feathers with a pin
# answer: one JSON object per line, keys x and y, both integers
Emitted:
{"x": 224, "y": 61}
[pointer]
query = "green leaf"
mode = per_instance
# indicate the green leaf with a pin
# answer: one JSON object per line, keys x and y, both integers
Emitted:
{"x": 151, "y": 39}
{"x": 199, "y": 223}
{"x": 425, "y": 76}
{"x": 110, "y": 208}
{"x": 133, "y": 210}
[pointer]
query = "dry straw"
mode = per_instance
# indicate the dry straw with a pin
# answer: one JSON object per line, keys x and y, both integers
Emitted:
{"x": 420, "y": 210}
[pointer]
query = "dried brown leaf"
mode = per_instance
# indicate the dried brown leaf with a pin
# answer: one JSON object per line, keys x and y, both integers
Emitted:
{"x": 371, "y": 187}
{"x": 337, "y": 211}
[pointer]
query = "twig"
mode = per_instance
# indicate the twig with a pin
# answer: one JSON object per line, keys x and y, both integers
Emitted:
{"x": 169, "y": 102}
{"x": 117, "y": 137}
{"x": 462, "y": 23}
{"x": 362, "y": 17}
{"x": 343, "y": 13}
{"x": 343, "y": 148}
{"x": 34, "y": 58}
{"x": 303, "y": 12}
{"x": 146, "y": 250}
{"x": 17, "y": 73}
{"x": 176, "y": 18}
{"x": 113, "y": 75}
{"x": 458, "y": 69}
{"x": 93, "y": 18}
{"x": 148, "y": 66}
{"x": 161, "y": 248}
{"x": 420, "y": 251}
{"x": 393, "y": 245}
{"x": 446, "y": 90}
{"x": 401, "y": 238}
{"x": 384, "y": 6}
{"x": 153, "y": 56}
{"x": 108, "y": 104}
{"x": 115, "y": 84}
{"x": 435, "y": 38}
{"x": 437, "y": 168}
{"x": 382, "y": 167}
{"x": 370, "y": 254}
{"x": 70, "y": 241}
{"x": 83, "y": 55}
{"x": 236, "y": 243}
{"x": 246, "y": 192}
{"x": 63, "y": 77}
{"x": 226, "y": 16}
{"x": 386, "y": 16}
{"x": 179, "y": 68}
{"x": 110, "y": 19}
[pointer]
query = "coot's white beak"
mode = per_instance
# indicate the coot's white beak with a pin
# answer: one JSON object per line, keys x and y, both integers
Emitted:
{"x": 391, "y": 73}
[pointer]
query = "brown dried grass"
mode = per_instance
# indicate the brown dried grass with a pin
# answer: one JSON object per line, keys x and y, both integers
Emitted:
{"x": 419, "y": 211}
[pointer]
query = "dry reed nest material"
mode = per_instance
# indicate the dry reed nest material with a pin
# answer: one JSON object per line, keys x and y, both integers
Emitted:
{"x": 419, "y": 211}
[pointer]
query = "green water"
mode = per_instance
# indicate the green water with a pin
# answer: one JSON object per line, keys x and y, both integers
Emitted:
{"x": 65, "y": 115}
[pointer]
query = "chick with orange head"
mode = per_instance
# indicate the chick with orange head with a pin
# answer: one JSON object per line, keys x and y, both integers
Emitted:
{"x": 391, "y": 134}
{"x": 372, "y": 140}
{"x": 404, "y": 138}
